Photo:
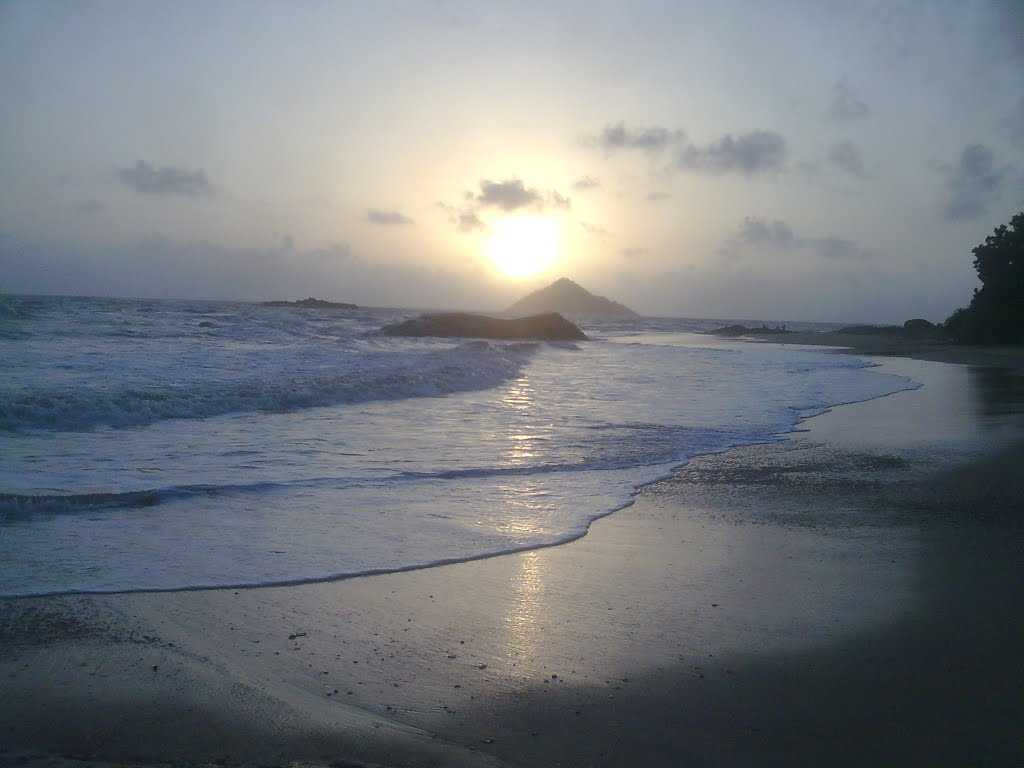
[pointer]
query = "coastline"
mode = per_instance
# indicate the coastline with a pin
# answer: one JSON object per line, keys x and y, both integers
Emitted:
{"x": 844, "y": 596}
{"x": 880, "y": 345}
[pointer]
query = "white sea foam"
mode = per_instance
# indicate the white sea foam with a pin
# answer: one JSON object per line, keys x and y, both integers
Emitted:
{"x": 352, "y": 378}
{"x": 165, "y": 445}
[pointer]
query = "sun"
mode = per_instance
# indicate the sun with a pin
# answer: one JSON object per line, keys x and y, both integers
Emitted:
{"x": 522, "y": 246}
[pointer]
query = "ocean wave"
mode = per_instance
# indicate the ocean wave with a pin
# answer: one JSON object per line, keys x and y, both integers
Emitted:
{"x": 470, "y": 366}
{"x": 633, "y": 446}
{"x": 567, "y": 434}
{"x": 19, "y": 505}
{"x": 14, "y": 505}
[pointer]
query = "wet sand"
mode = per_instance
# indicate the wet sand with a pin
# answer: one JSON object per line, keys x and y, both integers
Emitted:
{"x": 848, "y": 596}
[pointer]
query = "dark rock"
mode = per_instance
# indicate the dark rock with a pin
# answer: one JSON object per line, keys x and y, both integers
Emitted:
{"x": 742, "y": 330}
{"x": 548, "y": 327}
{"x": 311, "y": 303}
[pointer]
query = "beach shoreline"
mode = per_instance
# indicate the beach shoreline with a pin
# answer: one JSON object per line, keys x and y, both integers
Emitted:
{"x": 884, "y": 345}
{"x": 866, "y": 562}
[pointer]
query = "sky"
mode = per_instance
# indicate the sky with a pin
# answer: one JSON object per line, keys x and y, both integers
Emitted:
{"x": 814, "y": 160}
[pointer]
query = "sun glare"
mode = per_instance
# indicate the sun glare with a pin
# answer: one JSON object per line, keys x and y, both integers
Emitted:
{"x": 522, "y": 246}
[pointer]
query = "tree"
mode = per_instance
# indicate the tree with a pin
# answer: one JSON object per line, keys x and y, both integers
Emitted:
{"x": 996, "y": 312}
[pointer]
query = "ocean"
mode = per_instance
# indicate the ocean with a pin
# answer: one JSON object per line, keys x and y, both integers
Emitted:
{"x": 162, "y": 445}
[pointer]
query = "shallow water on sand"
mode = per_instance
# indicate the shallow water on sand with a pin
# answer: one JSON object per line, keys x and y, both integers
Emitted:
{"x": 169, "y": 445}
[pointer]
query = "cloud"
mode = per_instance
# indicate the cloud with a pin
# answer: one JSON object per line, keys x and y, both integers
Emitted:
{"x": 838, "y": 249}
{"x": 847, "y": 156}
{"x": 585, "y": 183}
{"x": 465, "y": 219}
{"x": 846, "y": 102}
{"x": 146, "y": 179}
{"x": 1014, "y": 124}
{"x": 777, "y": 234}
{"x": 657, "y": 197}
{"x": 632, "y": 253}
{"x": 974, "y": 184}
{"x": 757, "y": 236}
{"x": 388, "y": 218}
{"x": 468, "y": 221}
{"x": 508, "y": 195}
{"x": 596, "y": 231}
{"x": 748, "y": 153}
{"x": 618, "y": 136}
{"x": 560, "y": 201}
{"x": 89, "y": 208}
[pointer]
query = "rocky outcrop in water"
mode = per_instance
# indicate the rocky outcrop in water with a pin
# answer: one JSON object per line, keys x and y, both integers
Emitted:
{"x": 742, "y": 330}
{"x": 546, "y": 327}
{"x": 311, "y": 303}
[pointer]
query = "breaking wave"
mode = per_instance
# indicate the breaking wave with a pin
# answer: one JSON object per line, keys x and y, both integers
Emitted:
{"x": 386, "y": 376}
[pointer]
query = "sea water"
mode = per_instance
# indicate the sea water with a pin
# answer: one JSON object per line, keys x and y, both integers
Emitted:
{"x": 153, "y": 445}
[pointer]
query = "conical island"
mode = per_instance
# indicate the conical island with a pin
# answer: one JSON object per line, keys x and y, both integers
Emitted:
{"x": 568, "y": 298}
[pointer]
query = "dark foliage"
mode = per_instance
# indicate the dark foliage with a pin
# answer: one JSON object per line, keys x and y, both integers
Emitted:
{"x": 996, "y": 313}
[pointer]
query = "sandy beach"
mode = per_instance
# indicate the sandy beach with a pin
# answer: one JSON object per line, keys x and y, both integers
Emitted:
{"x": 848, "y": 596}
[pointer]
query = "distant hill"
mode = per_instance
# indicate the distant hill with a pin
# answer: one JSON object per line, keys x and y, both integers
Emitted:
{"x": 568, "y": 298}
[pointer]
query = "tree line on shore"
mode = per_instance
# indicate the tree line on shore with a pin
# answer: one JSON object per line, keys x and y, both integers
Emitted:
{"x": 996, "y": 312}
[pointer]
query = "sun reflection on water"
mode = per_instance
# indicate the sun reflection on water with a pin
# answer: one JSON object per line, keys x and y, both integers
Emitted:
{"x": 524, "y": 435}
{"x": 522, "y": 621}
{"x": 525, "y": 501}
